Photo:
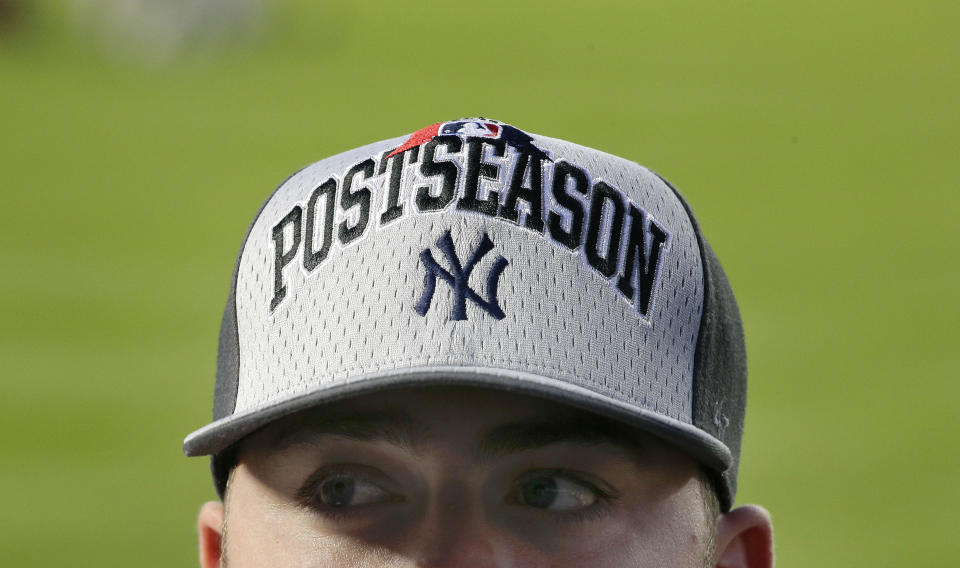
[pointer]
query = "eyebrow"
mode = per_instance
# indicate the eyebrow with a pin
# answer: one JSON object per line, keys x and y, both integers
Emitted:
{"x": 402, "y": 430}
{"x": 562, "y": 428}
{"x": 396, "y": 428}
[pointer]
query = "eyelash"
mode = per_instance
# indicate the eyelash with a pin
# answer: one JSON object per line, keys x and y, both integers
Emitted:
{"x": 578, "y": 517}
{"x": 329, "y": 514}
{"x": 307, "y": 495}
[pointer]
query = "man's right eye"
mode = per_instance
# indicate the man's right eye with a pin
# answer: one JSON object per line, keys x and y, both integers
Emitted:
{"x": 341, "y": 490}
{"x": 344, "y": 487}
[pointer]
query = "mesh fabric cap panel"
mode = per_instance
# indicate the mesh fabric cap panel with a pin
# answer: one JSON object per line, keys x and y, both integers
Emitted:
{"x": 720, "y": 367}
{"x": 354, "y": 316}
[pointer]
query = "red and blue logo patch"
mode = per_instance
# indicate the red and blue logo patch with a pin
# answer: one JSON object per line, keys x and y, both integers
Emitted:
{"x": 473, "y": 128}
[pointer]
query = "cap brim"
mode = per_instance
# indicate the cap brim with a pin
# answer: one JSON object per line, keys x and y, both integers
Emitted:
{"x": 219, "y": 435}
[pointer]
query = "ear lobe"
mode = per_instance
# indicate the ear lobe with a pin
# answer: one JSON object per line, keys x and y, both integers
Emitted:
{"x": 210, "y": 528}
{"x": 745, "y": 538}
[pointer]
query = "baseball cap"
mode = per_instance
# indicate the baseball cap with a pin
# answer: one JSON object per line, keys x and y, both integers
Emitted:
{"x": 474, "y": 253}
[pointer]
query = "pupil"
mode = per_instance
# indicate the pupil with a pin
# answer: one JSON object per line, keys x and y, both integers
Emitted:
{"x": 337, "y": 492}
{"x": 540, "y": 492}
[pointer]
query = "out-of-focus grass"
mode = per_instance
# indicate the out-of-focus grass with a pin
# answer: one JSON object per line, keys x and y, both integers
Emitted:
{"x": 817, "y": 142}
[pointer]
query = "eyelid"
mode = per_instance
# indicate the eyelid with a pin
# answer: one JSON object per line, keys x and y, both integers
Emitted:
{"x": 307, "y": 493}
{"x": 604, "y": 491}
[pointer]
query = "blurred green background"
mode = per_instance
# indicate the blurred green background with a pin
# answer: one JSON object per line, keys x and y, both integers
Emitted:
{"x": 817, "y": 142}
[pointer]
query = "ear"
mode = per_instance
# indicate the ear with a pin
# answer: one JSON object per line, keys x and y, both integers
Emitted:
{"x": 745, "y": 538}
{"x": 210, "y": 527}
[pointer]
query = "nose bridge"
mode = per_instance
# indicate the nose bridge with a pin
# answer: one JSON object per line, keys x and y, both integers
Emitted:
{"x": 455, "y": 531}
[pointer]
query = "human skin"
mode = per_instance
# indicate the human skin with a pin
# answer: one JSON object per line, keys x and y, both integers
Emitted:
{"x": 439, "y": 477}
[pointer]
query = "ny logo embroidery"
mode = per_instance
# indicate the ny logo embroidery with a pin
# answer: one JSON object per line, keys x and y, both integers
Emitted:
{"x": 458, "y": 278}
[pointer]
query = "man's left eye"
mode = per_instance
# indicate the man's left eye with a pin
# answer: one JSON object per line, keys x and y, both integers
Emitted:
{"x": 554, "y": 492}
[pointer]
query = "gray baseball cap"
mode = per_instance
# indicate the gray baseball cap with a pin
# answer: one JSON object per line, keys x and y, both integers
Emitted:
{"x": 473, "y": 253}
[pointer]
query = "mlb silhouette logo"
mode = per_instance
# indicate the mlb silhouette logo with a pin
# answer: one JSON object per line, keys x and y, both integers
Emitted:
{"x": 471, "y": 128}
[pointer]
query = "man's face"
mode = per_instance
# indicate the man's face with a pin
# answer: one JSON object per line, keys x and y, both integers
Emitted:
{"x": 461, "y": 477}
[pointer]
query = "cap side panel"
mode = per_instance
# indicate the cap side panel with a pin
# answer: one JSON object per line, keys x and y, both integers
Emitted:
{"x": 720, "y": 393}
{"x": 228, "y": 360}
{"x": 720, "y": 363}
